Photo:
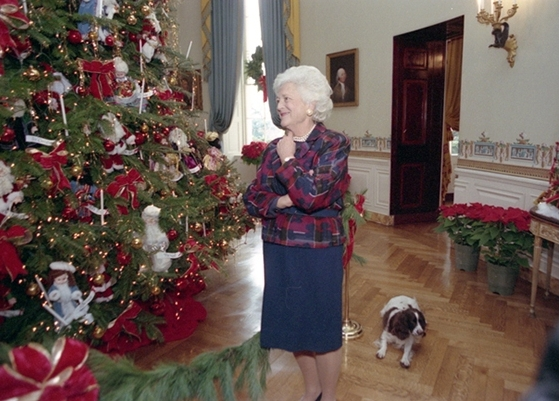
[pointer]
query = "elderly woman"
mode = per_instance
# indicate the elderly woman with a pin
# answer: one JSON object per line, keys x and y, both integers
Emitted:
{"x": 298, "y": 194}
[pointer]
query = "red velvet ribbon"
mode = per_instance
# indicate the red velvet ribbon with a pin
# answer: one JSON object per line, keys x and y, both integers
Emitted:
{"x": 9, "y": 259}
{"x": 124, "y": 186}
{"x": 39, "y": 375}
{"x": 123, "y": 324}
{"x": 262, "y": 84}
{"x": 53, "y": 162}
{"x": 11, "y": 17}
{"x": 348, "y": 251}
{"x": 219, "y": 186}
{"x": 101, "y": 85}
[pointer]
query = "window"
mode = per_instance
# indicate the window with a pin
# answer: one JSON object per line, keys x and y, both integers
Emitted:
{"x": 259, "y": 123}
{"x": 455, "y": 143}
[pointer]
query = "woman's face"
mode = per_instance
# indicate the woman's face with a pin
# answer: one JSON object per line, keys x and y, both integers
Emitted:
{"x": 291, "y": 108}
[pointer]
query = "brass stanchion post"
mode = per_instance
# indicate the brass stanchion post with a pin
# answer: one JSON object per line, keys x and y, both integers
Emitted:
{"x": 350, "y": 328}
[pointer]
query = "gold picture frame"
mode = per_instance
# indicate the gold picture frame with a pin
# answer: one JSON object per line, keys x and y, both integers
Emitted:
{"x": 346, "y": 92}
{"x": 192, "y": 82}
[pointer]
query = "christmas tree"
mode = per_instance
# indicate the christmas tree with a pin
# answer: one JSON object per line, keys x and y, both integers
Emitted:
{"x": 112, "y": 202}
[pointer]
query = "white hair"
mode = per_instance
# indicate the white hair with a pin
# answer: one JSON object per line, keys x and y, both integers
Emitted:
{"x": 313, "y": 87}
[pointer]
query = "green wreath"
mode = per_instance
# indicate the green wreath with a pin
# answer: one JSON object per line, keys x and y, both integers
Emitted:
{"x": 253, "y": 67}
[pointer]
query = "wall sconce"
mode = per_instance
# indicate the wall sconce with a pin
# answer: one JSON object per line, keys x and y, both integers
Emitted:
{"x": 500, "y": 27}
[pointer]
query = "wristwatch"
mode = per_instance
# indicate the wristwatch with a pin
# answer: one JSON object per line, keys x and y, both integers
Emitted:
{"x": 287, "y": 159}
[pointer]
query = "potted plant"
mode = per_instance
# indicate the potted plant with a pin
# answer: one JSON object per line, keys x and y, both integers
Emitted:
{"x": 461, "y": 222}
{"x": 252, "y": 153}
{"x": 506, "y": 245}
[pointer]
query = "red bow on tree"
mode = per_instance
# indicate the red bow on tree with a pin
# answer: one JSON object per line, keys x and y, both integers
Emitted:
{"x": 262, "y": 85}
{"x": 9, "y": 259}
{"x": 348, "y": 250}
{"x": 219, "y": 186}
{"x": 101, "y": 77}
{"x": 53, "y": 162}
{"x": 123, "y": 326}
{"x": 37, "y": 375}
{"x": 11, "y": 17}
{"x": 124, "y": 186}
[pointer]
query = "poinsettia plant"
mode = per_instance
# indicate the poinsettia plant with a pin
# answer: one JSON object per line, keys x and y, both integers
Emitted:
{"x": 503, "y": 234}
{"x": 460, "y": 221}
{"x": 252, "y": 153}
{"x": 506, "y": 239}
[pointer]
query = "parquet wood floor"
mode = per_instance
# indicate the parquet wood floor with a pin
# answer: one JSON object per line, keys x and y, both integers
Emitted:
{"x": 479, "y": 345}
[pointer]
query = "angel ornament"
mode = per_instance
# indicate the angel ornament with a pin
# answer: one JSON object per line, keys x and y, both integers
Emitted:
{"x": 156, "y": 242}
{"x": 9, "y": 194}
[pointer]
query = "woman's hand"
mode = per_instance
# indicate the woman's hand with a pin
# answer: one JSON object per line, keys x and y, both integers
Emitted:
{"x": 286, "y": 146}
{"x": 284, "y": 201}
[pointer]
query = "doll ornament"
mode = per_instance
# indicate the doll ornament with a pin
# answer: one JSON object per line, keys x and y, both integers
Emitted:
{"x": 67, "y": 302}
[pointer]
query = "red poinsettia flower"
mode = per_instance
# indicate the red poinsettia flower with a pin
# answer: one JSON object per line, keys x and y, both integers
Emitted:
{"x": 62, "y": 375}
{"x": 252, "y": 153}
{"x": 502, "y": 233}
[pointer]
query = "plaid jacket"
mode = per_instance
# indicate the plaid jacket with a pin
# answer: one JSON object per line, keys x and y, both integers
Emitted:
{"x": 316, "y": 181}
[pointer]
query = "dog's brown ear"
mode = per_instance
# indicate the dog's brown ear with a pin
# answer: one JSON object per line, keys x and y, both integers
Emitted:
{"x": 399, "y": 326}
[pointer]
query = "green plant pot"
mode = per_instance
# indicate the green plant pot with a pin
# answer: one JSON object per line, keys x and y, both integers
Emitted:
{"x": 466, "y": 257}
{"x": 501, "y": 279}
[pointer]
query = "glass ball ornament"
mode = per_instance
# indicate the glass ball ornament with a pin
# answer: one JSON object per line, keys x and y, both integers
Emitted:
{"x": 76, "y": 170}
{"x": 146, "y": 10}
{"x": 98, "y": 279}
{"x": 8, "y": 134}
{"x": 110, "y": 41}
{"x": 74, "y": 37}
{"x": 81, "y": 91}
{"x": 123, "y": 258}
{"x": 137, "y": 243}
{"x": 47, "y": 184}
{"x": 131, "y": 20}
{"x": 32, "y": 289}
{"x": 98, "y": 332}
{"x": 172, "y": 234}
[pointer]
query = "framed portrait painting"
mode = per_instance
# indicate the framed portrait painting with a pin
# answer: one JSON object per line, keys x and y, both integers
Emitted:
{"x": 342, "y": 72}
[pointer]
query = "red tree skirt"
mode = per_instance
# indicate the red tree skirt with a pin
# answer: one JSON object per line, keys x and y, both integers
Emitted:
{"x": 181, "y": 313}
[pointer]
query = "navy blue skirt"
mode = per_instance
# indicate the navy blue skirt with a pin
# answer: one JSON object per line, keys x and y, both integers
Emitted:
{"x": 302, "y": 303}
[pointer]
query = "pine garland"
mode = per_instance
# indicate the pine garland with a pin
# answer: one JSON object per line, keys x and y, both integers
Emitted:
{"x": 207, "y": 376}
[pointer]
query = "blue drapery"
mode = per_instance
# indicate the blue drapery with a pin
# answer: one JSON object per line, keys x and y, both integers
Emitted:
{"x": 226, "y": 35}
{"x": 275, "y": 37}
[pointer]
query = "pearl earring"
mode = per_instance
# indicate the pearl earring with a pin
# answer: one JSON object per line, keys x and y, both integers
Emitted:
{"x": 309, "y": 112}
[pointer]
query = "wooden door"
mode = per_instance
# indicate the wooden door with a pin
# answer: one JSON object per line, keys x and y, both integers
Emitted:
{"x": 417, "y": 124}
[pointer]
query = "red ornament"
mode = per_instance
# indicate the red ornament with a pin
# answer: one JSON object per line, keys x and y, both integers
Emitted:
{"x": 110, "y": 41}
{"x": 140, "y": 138}
{"x": 108, "y": 145}
{"x": 133, "y": 37}
{"x": 123, "y": 258}
{"x": 157, "y": 137}
{"x": 74, "y": 37}
{"x": 172, "y": 234}
{"x": 8, "y": 135}
{"x": 41, "y": 98}
{"x": 81, "y": 91}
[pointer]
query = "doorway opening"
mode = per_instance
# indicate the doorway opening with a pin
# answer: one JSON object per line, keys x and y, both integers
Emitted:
{"x": 426, "y": 82}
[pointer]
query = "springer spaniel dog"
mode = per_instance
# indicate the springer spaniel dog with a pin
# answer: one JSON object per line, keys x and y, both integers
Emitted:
{"x": 403, "y": 325}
